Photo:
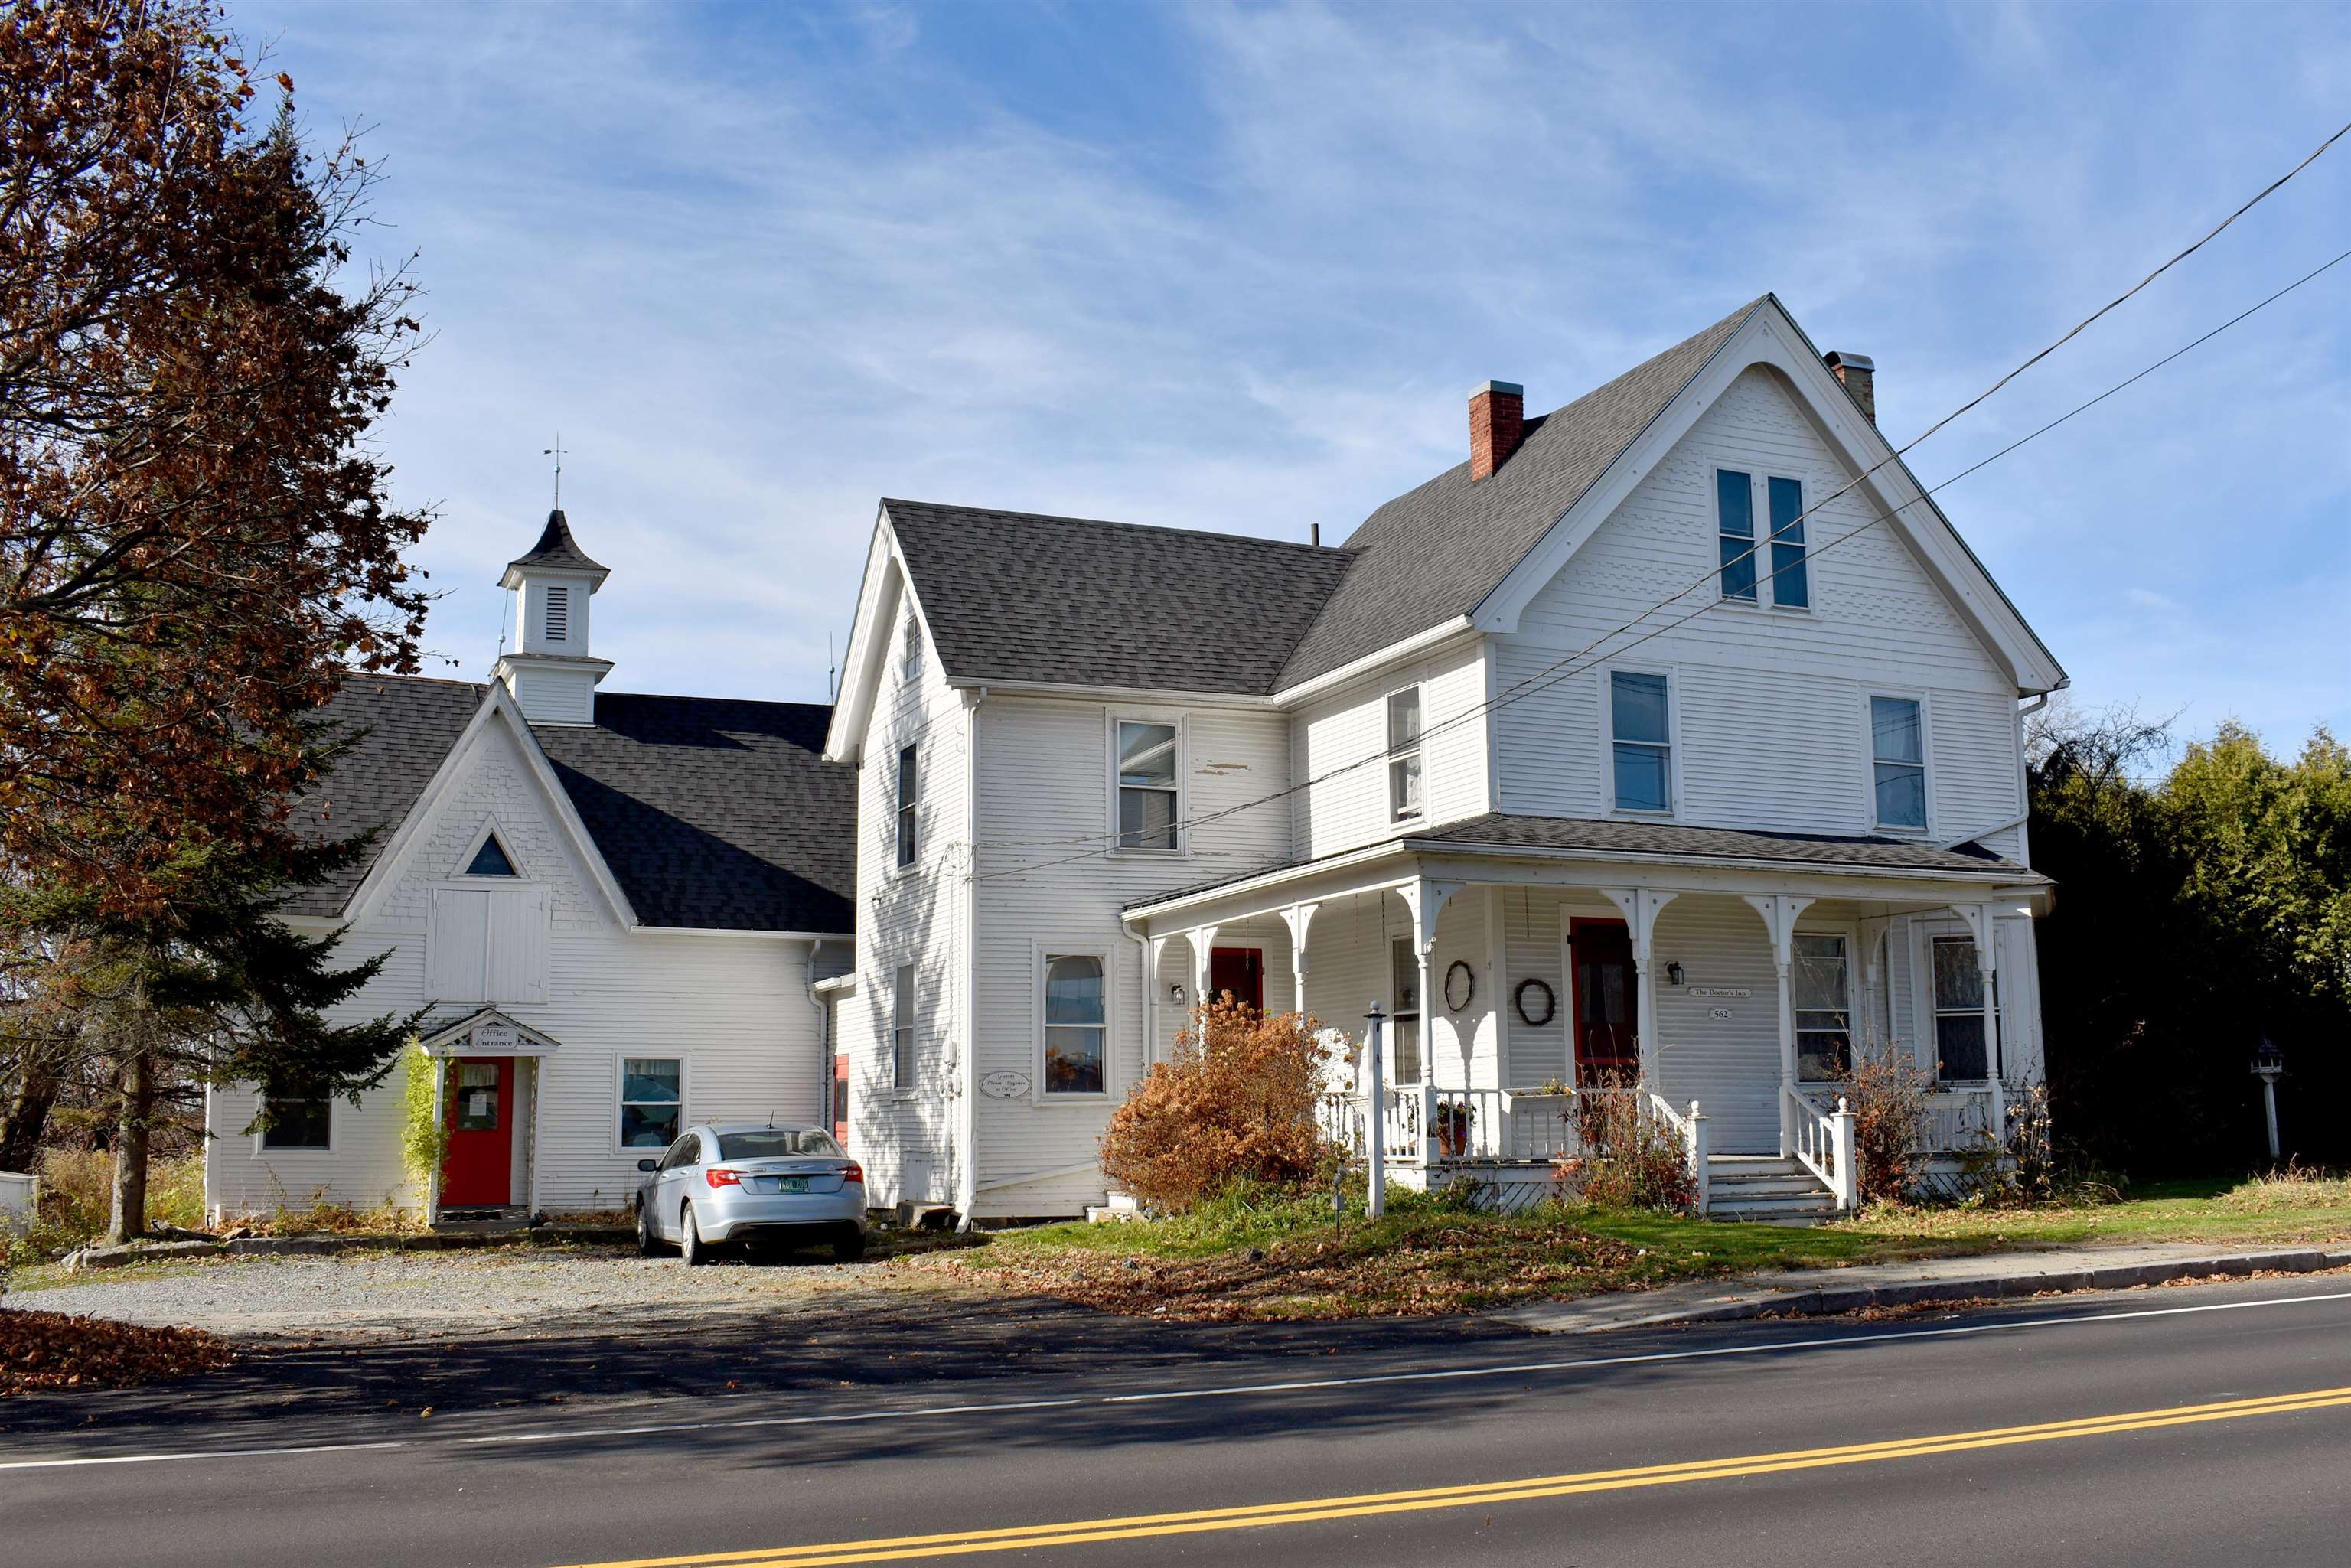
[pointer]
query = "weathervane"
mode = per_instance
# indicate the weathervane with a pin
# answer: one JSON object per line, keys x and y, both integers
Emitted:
{"x": 555, "y": 452}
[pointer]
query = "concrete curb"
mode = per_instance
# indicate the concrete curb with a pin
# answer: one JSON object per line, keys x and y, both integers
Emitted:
{"x": 89, "y": 1258}
{"x": 1833, "y": 1300}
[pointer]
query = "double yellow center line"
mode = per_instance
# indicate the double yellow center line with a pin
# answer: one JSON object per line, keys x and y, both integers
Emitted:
{"x": 1483, "y": 1494}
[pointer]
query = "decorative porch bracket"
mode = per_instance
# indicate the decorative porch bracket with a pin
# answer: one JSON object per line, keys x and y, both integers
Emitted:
{"x": 1202, "y": 938}
{"x": 1779, "y": 910}
{"x": 1981, "y": 925}
{"x": 1300, "y": 918}
{"x": 1151, "y": 984}
{"x": 1641, "y": 906}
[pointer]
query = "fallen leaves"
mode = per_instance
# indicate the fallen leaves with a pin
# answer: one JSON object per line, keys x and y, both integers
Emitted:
{"x": 52, "y": 1349}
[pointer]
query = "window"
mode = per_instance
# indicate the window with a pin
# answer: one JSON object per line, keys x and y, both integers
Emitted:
{"x": 1148, "y": 789}
{"x": 476, "y": 1088}
{"x": 559, "y": 611}
{"x": 1734, "y": 507}
{"x": 1820, "y": 992}
{"x": 650, "y": 1101}
{"x": 1404, "y": 754}
{"x": 686, "y": 1151}
{"x": 1959, "y": 1045}
{"x": 902, "y": 1029}
{"x": 1076, "y": 1020}
{"x": 1638, "y": 726}
{"x": 1403, "y": 973}
{"x": 1792, "y": 587}
{"x": 491, "y": 860}
{"x": 910, "y": 650}
{"x": 1897, "y": 751}
{"x": 909, "y": 795}
{"x": 297, "y": 1122}
{"x": 775, "y": 1144}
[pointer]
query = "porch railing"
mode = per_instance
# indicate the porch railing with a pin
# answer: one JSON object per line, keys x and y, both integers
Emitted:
{"x": 1423, "y": 1124}
{"x": 1823, "y": 1141}
{"x": 1958, "y": 1119}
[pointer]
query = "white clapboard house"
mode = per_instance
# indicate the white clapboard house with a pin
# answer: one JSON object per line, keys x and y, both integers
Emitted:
{"x": 1524, "y": 761}
{"x": 613, "y": 905}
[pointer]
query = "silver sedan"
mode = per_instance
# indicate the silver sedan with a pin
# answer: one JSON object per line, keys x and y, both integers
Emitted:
{"x": 752, "y": 1183}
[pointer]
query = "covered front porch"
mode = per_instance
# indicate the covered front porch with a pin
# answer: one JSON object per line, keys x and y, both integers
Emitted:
{"x": 1511, "y": 974}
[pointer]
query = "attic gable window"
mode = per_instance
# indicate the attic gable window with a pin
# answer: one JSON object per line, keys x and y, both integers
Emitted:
{"x": 1791, "y": 585}
{"x": 1734, "y": 507}
{"x": 910, "y": 652}
{"x": 491, "y": 860}
{"x": 909, "y": 797}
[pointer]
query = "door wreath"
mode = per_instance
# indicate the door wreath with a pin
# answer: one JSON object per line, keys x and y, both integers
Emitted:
{"x": 1459, "y": 971}
{"x": 1536, "y": 1002}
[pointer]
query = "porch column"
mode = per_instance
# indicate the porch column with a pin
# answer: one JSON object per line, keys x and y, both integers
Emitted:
{"x": 1779, "y": 910}
{"x": 1426, "y": 899}
{"x": 1154, "y": 1040}
{"x": 1874, "y": 938}
{"x": 439, "y": 1066}
{"x": 1641, "y": 906}
{"x": 1298, "y": 917}
{"x": 1203, "y": 937}
{"x": 1982, "y": 926}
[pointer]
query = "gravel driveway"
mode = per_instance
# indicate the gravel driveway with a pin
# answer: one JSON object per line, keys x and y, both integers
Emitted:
{"x": 410, "y": 1294}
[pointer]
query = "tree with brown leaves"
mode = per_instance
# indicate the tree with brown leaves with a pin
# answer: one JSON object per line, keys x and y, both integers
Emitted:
{"x": 195, "y": 546}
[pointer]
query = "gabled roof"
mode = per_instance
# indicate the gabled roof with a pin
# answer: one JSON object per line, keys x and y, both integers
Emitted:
{"x": 556, "y": 551}
{"x": 1016, "y": 596}
{"x": 710, "y": 814}
{"x": 1435, "y": 552}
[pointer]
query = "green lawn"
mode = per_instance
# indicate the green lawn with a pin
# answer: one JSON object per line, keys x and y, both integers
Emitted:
{"x": 1260, "y": 1256}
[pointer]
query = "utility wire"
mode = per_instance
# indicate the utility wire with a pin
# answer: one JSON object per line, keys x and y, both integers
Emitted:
{"x": 1560, "y": 670}
{"x": 1542, "y": 679}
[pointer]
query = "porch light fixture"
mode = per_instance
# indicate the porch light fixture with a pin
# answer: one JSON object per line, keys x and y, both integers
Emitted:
{"x": 2269, "y": 1062}
{"x": 1176, "y": 992}
{"x": 1673, "y": 974}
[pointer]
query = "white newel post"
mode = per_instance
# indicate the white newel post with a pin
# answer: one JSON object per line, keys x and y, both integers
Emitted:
{"x": 1432, "y": 1152}
{"x": 1698, "y": 1138}
{"x": 1375, "y": 1202}
{"x": 1848, "y": 1175}
{"x": 1779, "y": 912}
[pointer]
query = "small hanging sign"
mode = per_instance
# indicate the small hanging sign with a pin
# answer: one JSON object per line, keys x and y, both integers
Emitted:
{"x": 495, "y": 1036}
{"x": 1004, "y": 1085}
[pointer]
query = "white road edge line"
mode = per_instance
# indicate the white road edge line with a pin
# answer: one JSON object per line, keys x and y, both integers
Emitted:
{"x": 1520, "y": 1369}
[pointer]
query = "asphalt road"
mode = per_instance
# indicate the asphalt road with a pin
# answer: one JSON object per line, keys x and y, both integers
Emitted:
{"x": 2191, "y": 1425}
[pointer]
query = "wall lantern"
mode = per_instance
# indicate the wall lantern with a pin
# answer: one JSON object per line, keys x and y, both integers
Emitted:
{"x": 1176, "y": 992}
{"x": 1673, "y": 974}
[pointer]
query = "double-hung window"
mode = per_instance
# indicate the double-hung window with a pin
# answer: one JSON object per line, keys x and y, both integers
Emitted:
{"x": 1820, "y": 990}
{"x": 650, "y": 1101}
{"x": 1734, "y": 506}
{"x": 1403, "y": 974}
{"x": 1077, "y": 1020}
{"x": 1791, "y": 585}
{"x": 1897, "y": 751}
{"x": 1404, "y": 754}
{"x": 1960, "y": 1051}
{"x": 902, "y": 1028}
{"x": 1148, "y": 792}
{"x": 909, "y": 797}
{"x": 1640, "y": 727}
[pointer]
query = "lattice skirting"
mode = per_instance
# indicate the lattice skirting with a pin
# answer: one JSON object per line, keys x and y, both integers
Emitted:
{"x": 1502, "y": 1189}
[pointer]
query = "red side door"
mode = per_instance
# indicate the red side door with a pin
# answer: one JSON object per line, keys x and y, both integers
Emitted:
{"x": 840, "y": 1098}
{"x": 1240, "y": 970}
{"x": 1606, "y": 1003}
{"x": 479, "y": 1171}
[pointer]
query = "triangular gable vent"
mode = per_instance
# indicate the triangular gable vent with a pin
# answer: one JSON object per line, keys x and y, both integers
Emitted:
{"x": 491, "y": 860}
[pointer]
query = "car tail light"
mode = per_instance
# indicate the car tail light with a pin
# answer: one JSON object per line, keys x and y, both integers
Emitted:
{"x": 720, "y": 1175}
{"x": 853, "y": 1173}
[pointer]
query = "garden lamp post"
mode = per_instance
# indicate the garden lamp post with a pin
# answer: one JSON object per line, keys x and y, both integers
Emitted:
{"x": 1376, "y": 1191}
{"x": 2268, "y": 1062}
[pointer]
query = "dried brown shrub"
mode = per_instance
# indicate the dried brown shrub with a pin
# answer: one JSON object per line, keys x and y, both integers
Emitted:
{"x": 1628, "y": 1159}
{"x": 1234, "y": 1102}
{"x": 1887, "y": 1095}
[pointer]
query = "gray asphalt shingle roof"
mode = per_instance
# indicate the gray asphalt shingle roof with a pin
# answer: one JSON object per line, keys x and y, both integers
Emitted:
{"x": 1676, "y": 841}
{"x": 1435, "y": 552}
{"x": 556, "y": 548}
{"x": 1017, "y": 596}
{"x": 713, "y": 814}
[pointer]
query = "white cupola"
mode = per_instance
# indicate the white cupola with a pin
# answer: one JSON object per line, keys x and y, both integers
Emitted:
{"x": 550, "y": 673}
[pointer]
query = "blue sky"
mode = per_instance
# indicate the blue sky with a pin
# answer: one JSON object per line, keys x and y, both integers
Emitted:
{"x": 1237, "y": 267}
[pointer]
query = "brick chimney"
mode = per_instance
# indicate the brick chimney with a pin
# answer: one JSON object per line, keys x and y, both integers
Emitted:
{"x": 1498, "y": 421}
{"x": 1859, "y": 376}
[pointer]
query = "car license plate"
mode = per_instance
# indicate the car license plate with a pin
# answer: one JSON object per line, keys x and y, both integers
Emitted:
{"x": 791, "y": 1183}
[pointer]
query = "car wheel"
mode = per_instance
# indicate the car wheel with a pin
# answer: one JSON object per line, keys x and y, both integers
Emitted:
{"x": 690, "y": 1244}
{"x": 848, "y": 1245}
{"x": 647, "y": 1242}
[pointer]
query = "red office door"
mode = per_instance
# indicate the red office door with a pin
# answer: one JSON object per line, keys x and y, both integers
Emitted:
{"x": 1606, "y": 1003}
{"x": 840, "y": 1098}
{"x": 479, "y": 1171}
{"x": 1240, "y": 970}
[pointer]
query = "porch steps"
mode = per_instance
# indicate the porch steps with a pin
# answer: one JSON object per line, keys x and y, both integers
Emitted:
{"x": 1764, "y": 1191}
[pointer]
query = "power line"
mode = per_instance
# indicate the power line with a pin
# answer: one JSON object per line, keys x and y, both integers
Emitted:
{"x": 1538, "y": 681}
{"x": 1553, "y": 675}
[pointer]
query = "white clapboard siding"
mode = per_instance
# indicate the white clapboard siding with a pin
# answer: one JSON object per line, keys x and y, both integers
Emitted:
{"x": 1730, "y": 1065}
{"x": 1769, "y": 702}
{"x": 1045, "y": 773}
{"x": 1338, "y": 742}
{"x": 488, "y": 945}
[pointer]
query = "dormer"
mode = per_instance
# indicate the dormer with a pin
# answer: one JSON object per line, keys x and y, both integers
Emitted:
{"x": 550, "y": 673}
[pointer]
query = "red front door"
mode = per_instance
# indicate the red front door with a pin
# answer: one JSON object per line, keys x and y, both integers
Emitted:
{"x": 1240, "y": 970}
{"x": 479, "y": 1171}
{"x": 1607, "y": 1002}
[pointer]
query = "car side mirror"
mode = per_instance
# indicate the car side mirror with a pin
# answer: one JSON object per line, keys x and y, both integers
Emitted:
{"x": 649, "y": 1165}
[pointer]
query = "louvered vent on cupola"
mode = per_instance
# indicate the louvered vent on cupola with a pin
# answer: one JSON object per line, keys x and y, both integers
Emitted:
{"x": 559, "y": 613}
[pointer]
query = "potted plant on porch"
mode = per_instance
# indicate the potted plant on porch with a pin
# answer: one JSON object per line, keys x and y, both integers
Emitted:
{"x": 1454, "y": 1118}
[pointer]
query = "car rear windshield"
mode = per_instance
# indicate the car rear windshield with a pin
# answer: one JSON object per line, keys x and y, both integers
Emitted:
{"x": 774, "y": 1143}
